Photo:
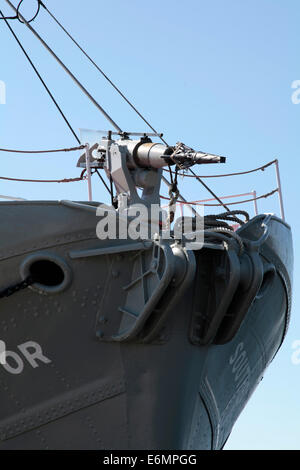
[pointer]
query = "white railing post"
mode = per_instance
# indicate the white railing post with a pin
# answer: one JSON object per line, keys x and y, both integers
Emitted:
{"x": 279, "y": 190}
{"x": 88, "y": 171}
{"x": 255, "y": 202}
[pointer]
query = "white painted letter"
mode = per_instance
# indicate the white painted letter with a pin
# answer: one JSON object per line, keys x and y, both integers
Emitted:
{"x": 18, "y": 361}
{"x": 2, "y": 352}
{"x": 33, "y": 356}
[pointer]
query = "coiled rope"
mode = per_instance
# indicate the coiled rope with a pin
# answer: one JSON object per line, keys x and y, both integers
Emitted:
{"x": 229, "y": 233}
{"x": 212, "y": 220}
{"x": 219, "y": 229}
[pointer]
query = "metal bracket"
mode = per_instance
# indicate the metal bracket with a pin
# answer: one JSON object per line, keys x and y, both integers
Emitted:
{"x": 152, "y": 271}
{"x": 155, "y": 273}
{"x": 125, "y": 181}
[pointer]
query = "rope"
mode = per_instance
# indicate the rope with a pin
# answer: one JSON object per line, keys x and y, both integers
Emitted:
{"x": 227, "y": 216}
{"x": 262, "y": 168}
{"x": 215, "y": 228}
{"x": 211, "y": 223}
{"x": 43, "y": 151}
{"x": 8, "y": 291}
{"x": 196, "y": 203}
{"x": 221, "y": 220}
{"x": 17, "y": 16}
{"x": 228, "y": 233}
{"x": 65, "y": 180}
{"x": 34, "y": 16}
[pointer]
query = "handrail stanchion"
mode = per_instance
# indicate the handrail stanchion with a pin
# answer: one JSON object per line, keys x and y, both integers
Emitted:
{"x": 88, "y": 171}
{"x": 255, "y": 202}
{"x": 181, "y": 209}
{"x": 279, "y": 190}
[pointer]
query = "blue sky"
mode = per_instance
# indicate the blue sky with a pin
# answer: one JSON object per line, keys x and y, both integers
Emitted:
{"x": 216, "y": 75}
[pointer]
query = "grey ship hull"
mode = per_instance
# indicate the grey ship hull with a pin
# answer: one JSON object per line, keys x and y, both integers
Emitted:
{"x": 78, "y": 392}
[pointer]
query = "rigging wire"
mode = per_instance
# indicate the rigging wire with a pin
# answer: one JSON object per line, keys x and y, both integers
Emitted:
{"x": 113, "y": 201}
{"x": 64, "y": 180}
{"x": 209, "y": 190}
{"x": 58, "y": 108}
{"x": 102, "y": 72}
{"x": 103, "y": 181}
{"x": 262, "y": 168}
{"x": 17, "y": 17}
{"x": 40, "y": 78}
{"x": 66, "y": 69}
{"x": 197, "y": 203}
{"x": 71, "y": 149}
{"x": 34, "y": 16}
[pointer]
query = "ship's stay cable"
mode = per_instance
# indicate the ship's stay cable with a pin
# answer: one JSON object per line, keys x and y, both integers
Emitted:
{"x": 208, "y": 189}
{"x": 66, "y": 69}
{"x": 55, "y": 103}
{"x": 108, "y": 80}
{"x": 40, "y": 78}
{"x": 103, "y": 181}
{"x": 102, "y": 73}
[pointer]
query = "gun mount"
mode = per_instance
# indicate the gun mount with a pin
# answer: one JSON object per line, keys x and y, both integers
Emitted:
{"x": 132, "y": 164}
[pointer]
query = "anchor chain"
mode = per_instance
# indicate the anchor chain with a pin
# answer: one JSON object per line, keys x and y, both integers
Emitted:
{"x": 8, "y": 291}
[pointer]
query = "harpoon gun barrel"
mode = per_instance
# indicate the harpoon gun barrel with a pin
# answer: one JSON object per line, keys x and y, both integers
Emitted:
{"x": 155, "y": 155}
{"x": 147, "y": 154}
